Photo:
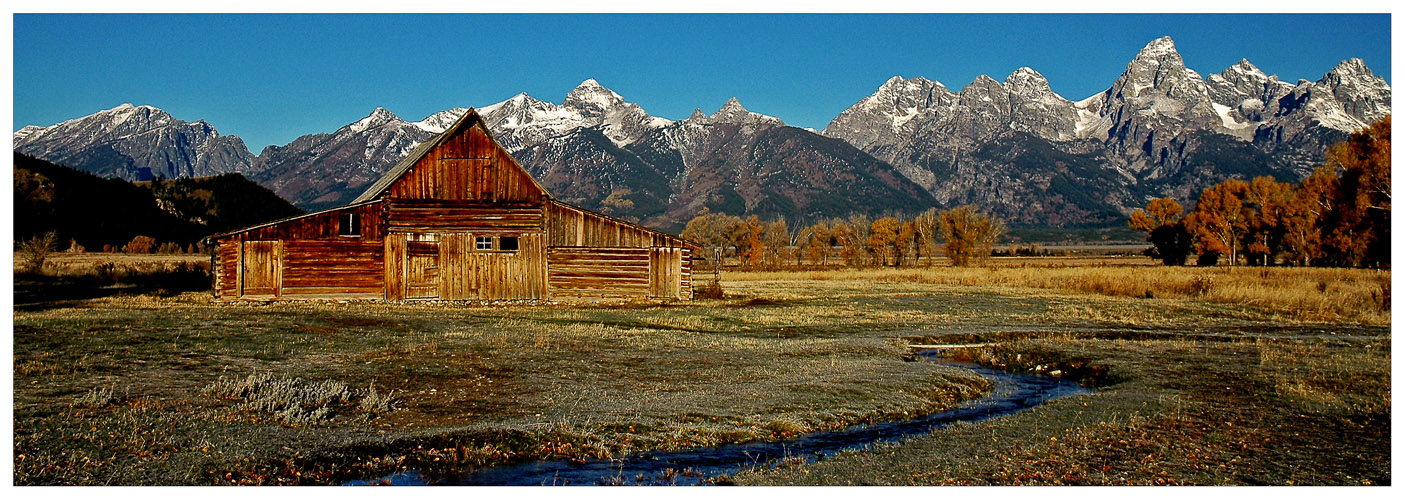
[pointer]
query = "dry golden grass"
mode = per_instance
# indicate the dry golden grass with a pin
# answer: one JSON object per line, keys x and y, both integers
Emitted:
{"x": 1358, "y": 296}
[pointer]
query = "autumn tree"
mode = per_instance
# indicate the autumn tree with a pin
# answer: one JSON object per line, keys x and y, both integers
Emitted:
{"x": 140, "y": 244}
{"x": 1304, "y": 217}
{"x": 906, "y": 241}
{"x": 1266, "y": 204}
{"x": 1161, "y": 220}
{"x": 882, "y": 235}
{"x": 1358, "y": 227}
{"x": 816, "y": 239}
{"x": 1219, "y": 221}
{"x": 750, "y": 248}
{"x": 968, "y": 235}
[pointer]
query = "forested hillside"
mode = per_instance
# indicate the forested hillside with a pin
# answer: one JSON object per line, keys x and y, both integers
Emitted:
{"x": 95, "y": 212}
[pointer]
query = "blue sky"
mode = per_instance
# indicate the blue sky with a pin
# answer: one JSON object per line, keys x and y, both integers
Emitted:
{"x": 272, "y": 78}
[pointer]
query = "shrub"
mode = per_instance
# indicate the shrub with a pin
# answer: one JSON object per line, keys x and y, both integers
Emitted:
{"x": 35, "y": 250}
{"x": 97, "y": 397}
{"x": 296, "y": 401}
{"x": 709, "y": 290}
{"x": 1200, "y": 286}
{"x": 376, "y": 403}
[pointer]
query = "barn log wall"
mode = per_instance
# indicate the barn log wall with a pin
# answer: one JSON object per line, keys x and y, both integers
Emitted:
{"x": 334, "y": 269}
{"x": 313, "y": 261}
{"x": 595, "y": 272}
{"x": 227, "y": 269}
{"x": 441, "y": 216}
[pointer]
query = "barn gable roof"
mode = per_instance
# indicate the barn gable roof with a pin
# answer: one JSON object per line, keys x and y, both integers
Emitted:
{"x": 469, "y": 119}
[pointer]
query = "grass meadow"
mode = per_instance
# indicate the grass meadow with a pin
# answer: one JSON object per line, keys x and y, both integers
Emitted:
{"x": 1203, "y": 376}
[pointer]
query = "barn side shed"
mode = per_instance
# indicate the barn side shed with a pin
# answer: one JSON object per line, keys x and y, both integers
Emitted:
{"x": 457, "y": 219}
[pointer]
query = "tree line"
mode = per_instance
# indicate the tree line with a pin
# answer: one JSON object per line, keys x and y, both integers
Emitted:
{"x": 1338, "y": 216}
{"x": 967, "y": 237}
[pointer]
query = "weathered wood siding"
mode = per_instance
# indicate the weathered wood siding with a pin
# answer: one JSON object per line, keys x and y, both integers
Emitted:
{"x": 395, "y": 266}
{"x": 598, "y": 272}
{"x": 447, "y": 216}
{"x": 422, "y": 270}
{"x": 260, "y": 269}
{"x": 665, "y": 272}
{"x": 467, "y": 167}
{"x": 312, "y": 259}
{"x": 334, "y": 269}
{"x": 472, "y": 274}
{"x": 575, "y": 227}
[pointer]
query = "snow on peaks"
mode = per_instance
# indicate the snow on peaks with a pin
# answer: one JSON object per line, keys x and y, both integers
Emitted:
{"x": 1026, "y": 73}
{"x": 1158, "y": 48}
{"x": 697, "y": 115}
{"x": 733, "y": 112}
{"x": 27, "y": 131}
{"x": 589, "y": 95}
{"x": 1246, "y": 67}
{"x": 380, "y": 116}
{"x": 1353, "y": 66}
{"x": 894, "y": 82}
{"x": 439, "y": 122}
{"x": 517, "y": 102}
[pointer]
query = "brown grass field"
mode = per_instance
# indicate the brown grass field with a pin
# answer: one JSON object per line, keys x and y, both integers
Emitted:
{"x": 1204, "y": 376}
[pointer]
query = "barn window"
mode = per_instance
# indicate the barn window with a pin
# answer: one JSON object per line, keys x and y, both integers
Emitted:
{"x": 507, "y": 243}
{"x": 350, "y": 225}
{"x": 483, "y": 242}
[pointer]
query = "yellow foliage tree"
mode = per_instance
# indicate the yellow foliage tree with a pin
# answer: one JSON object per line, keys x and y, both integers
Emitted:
{"x": 968, "y": 235}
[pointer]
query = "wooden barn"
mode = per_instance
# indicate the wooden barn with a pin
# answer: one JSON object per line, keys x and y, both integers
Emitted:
{"x": 456, "y": 219}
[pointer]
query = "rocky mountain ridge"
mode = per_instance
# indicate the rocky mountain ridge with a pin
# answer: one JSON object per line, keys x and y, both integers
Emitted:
{"x": 1160, "y": 129}
{"x": 1014, "y": 147}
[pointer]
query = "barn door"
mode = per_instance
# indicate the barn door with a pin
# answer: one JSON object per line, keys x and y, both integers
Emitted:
{"x": 260, "y": 269}
{"x": 665, "y": 272}
{"x": 422, "y": 270}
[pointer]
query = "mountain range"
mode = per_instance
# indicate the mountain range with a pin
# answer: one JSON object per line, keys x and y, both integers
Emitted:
{"x": 1015, "y": 148}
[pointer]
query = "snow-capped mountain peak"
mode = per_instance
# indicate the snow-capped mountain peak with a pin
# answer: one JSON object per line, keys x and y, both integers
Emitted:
{"x": 136, "y": 143}
{"x": 379, "y": 117}
{"x": 1158, "y": 48}
{"x": 734, "y": 112}
{"x": 592, "y": 99}
{"x": 1247, "y": 68}
{"x": 439, "y": 122}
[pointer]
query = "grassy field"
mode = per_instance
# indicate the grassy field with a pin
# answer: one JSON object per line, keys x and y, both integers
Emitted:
{"x": 1204, "y": 376}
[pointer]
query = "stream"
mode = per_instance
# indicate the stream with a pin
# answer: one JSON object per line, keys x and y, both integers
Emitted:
{"x": 1012, "y": 392}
